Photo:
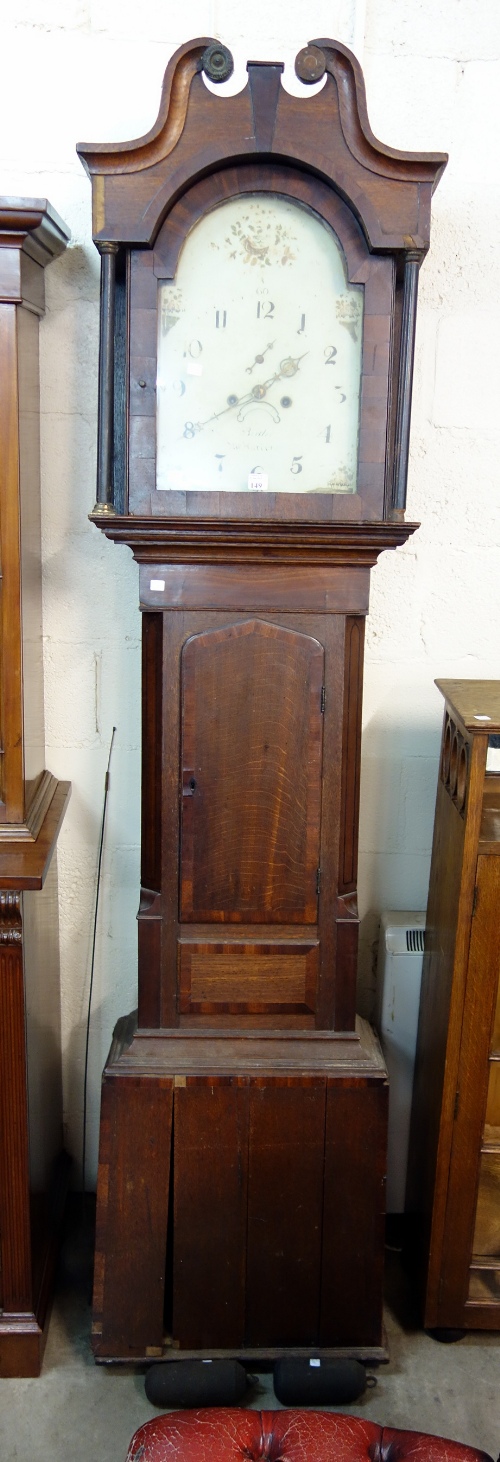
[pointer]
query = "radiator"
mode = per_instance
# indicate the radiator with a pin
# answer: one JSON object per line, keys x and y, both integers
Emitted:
{"x": 399, "y": 973}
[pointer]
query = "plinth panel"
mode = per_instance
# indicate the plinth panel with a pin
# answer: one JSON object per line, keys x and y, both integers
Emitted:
{"x": 273, "y": 1238}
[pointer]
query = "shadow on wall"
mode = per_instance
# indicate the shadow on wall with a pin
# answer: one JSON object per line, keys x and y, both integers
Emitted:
{"x": 69, "y": 346}
{"x": 101, "y": 1019}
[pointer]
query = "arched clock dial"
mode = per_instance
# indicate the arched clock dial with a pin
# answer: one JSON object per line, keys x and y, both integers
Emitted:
{"x": 259, "y": 355}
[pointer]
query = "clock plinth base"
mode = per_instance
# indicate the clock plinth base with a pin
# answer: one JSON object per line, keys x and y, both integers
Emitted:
{"x": 209, "y": 1142}
{"x": 368, "y": 1355}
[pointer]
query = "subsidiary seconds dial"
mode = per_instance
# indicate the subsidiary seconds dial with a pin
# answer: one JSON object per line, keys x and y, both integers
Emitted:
{"x": 259, "y": 355}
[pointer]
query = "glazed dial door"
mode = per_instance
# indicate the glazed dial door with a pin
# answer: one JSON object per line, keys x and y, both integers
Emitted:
{"x": 259, "y": 355}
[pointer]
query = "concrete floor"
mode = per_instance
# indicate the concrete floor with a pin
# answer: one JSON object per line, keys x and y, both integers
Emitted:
{"x": 79, "y": 1411}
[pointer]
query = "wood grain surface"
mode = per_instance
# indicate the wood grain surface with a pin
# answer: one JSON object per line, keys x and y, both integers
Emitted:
{"x": 24, "y": 864}
{"x": 12, "y": 768}
{"x": 218, "y": 978}
{"x": 33, "y": 1170}
{"x": 133, "y": 183}
{"x": 251, "y": 774}
{"x": 132, "y": 1211}
{"x": 249, "y": 1145}
{"x": 455, "y": 1137}
{"x": 354, "y": 1212}
{"x": 210, "y": 1212}
{"x": 262, "y": 826}
{"x": 285, "y": 1189}
{"x": 15, "y": 1235}
{"x": 475, "y": 702}
{"x": 472, "y": 1084}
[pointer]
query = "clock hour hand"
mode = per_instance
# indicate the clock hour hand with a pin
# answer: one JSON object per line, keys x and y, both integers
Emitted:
{"x": 289, "y": 366}
{"x": 259, "y": 358}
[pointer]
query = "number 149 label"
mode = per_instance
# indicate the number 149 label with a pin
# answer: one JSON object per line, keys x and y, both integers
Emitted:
{"x": 258, "y": 481}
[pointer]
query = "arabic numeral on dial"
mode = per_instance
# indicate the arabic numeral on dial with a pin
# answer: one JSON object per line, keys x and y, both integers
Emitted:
{"x": 296, "y": 465}
{"x": 179, "y": 387}
{"x": 302, "y": 327}
{"x": 330, "y": 353}
{"x": 219, "y": 457}
{"x": 189, "y": 430}
{"x": 220, "y": 319}
{"x": 265, "y": 310}
{"x": 195, "y": 349}
{"x": 328, "y": 433}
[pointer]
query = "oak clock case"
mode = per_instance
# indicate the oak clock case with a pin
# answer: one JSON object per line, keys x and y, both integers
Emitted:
{"x": 260, "y": 258}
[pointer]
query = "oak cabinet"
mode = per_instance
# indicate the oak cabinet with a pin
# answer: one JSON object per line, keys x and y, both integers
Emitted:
{"x": 33, "y": 1170}
{"x": 453, "y": 1188}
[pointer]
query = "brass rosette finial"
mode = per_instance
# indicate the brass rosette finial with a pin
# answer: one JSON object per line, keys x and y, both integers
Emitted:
{"x": 217, "y": 62}
{"x": 310, "y": 65}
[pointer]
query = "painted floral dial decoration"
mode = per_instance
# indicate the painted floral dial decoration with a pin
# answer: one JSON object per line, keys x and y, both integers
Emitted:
{"x": 259, "y": 355}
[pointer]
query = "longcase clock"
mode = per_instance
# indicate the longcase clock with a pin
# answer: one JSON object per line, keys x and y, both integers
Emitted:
{"x": 260, "y": 258}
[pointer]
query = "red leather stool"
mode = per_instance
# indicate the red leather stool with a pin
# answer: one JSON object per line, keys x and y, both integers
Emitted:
{"x": 232, "y": 1435}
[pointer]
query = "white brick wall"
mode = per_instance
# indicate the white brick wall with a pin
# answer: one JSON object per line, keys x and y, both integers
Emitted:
{"x": 92, "y": 70}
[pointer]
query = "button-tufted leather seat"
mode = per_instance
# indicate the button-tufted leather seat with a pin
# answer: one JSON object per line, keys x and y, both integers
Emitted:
{"x": 234, "y": 1435}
